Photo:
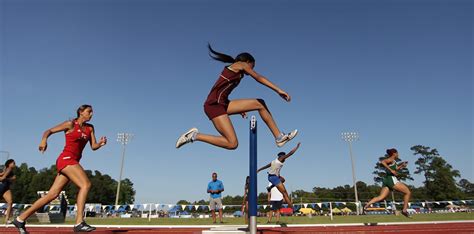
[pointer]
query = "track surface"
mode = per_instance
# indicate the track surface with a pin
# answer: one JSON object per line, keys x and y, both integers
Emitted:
{"x": 438, "y": 227}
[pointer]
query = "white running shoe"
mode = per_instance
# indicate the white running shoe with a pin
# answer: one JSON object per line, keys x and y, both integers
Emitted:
{"x": 284, "y": 138}
{"x": 187, "y": 137}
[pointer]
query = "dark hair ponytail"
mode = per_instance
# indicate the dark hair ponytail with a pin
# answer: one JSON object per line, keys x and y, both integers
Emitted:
{"x": 391, "y": 151}
{"x": 81, "y": 109}
{"x": 242, "y": 57}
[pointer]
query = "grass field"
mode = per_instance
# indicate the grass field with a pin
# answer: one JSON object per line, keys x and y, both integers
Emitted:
{"x": 285, "y": 220}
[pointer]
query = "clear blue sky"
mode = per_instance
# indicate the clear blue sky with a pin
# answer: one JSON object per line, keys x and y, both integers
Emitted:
{"x": 397, "y": 72}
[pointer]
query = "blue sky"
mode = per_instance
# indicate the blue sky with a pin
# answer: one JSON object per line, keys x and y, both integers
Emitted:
{"x": 397, "y": 72}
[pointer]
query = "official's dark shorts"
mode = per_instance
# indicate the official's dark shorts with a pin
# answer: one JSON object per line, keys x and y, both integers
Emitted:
{"x": 276, "y": 205}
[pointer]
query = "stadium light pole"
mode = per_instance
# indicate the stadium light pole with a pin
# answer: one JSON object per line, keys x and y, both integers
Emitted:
{"x": 122, "y": 138}
{"x": 350, "y": 137}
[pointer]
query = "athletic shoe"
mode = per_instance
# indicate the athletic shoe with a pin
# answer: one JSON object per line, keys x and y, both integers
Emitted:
{"x": 83, "y": 227}
{"x": 284, "y": 138}
{"x": 406, "y": 214}
{"x": 187, "y": 137}
{"x": 20, "y": 226}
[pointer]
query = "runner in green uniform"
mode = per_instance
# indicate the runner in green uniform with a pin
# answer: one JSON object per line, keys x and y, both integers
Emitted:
{"x": 390, "y": 181}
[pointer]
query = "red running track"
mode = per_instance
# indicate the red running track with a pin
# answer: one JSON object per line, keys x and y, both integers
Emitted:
{"x": 399, "y": 228}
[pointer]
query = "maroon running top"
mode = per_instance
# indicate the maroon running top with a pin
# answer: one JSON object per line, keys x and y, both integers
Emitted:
{"x": 224, "y": 85}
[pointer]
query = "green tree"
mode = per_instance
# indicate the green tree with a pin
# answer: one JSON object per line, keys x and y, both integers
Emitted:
{"x": 43, "y": 180}
{"x": 262, "y": 198}
{"x": 417, "y": 193}
{"x": 29, "y": 181}
{"x": 127, "y": 193}
{"x": 466, "y": 187}
{"x": 232, "y": 199}
{"x": 302, "y": 196}
{"x": 367, "y": 192}
{"x": 343, "y": 193}
{"x": 442, "y": 184}
{"x": 20, "y": 189}
{"x": 201, "y": 202}
{"x": 323, "y": 194}
{"x": 103, "y": 188}
{"x": 183, "y": 202}
{"x": 424, "y": 161}
{"x": 439, "y": 176}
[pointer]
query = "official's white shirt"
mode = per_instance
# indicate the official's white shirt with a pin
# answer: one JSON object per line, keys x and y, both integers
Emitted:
{"x": 275, "y": 194}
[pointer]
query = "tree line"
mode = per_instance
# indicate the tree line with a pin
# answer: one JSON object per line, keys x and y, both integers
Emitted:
{"x": 440, "y": 183}
{"x": 29, "y": 181}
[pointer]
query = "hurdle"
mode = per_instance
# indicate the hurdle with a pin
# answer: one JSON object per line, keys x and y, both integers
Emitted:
{"x": 252, "y": 193}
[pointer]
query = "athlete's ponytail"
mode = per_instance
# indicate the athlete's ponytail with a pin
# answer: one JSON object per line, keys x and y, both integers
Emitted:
{"x": 243, "y": 57}
{"x": 81, "y": 109}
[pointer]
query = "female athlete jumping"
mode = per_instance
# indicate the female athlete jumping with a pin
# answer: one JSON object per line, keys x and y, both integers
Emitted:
{"x": 218, "y": 107}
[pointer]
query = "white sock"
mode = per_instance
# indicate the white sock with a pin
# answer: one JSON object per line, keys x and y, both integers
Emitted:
{"x": 19, "y": 220}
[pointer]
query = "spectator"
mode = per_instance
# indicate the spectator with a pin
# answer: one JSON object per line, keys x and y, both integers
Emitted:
{"x": 215, "y": 188}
